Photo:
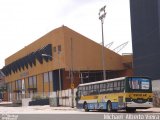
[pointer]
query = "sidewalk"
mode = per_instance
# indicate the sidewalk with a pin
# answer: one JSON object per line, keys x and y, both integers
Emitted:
{"x": 154, "y": 109}
{"x": 6, "y": 104}
{"x": 37, "y": 110}
{"x": 1, "y": 103}
{"x": 47, "y": 109}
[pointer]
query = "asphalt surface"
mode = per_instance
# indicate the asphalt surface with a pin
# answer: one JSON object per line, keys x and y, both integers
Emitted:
{"x": 61, "y": 110}
{"x": 67, "y": 113}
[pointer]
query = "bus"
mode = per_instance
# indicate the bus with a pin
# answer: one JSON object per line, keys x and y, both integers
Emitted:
{"x": 125, "y": 93}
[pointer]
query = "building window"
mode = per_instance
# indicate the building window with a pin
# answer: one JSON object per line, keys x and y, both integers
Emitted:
{"x": 46, "y": 77}
{"x": 18, "y": 84}
{"x": 47, "y": 81}
{"x": 32, "y": 82}
{"x": 59, "y": 48}
{"x": 50, "y": 76}
{"x": 54, "y": 49}
{"x": 13, "y": 85}
{"x": 9, "y": 86}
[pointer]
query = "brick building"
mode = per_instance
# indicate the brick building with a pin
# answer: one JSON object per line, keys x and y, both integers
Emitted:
{"x": 47, "y": 64}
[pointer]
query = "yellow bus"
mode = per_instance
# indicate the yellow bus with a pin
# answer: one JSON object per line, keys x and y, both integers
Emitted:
{"x": 125, "y": 93}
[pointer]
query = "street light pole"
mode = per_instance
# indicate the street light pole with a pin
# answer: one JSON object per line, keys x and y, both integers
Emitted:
{"x": 72, "y": 83}
{"x": 102, "y": 15}
{"x": 45, "y": 55}
{"x": 59, "y": 72}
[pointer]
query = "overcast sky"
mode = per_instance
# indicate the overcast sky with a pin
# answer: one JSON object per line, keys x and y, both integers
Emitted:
{"x": 24, "y": 21}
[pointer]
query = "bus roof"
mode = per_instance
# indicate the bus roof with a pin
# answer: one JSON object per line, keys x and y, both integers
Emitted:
{"x": 102, "y": 81}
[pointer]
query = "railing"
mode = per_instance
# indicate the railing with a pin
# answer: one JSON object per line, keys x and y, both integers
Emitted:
{"x": 156, "y": 98}
{"x": 64, "y": 97}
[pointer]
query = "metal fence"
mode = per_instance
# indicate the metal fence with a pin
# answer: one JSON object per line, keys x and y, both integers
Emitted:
{"x": 64, "y": 97}
{"x": 156, "y": 98}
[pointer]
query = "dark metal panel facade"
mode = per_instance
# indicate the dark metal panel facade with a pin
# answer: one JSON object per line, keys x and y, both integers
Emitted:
{"x": 145, "y": 26}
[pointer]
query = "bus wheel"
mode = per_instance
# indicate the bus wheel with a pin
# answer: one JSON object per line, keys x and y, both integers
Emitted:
{"x": 130, "y": 110}
{"x": 109, "y": 106}
{"x": 85, "y": 107}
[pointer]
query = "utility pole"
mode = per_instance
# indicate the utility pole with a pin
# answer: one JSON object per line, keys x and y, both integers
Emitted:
{"x": 60, "y": 88}
{"x": 72, "y": 83}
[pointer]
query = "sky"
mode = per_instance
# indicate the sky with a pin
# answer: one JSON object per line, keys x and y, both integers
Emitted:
{"x": 24, "y": 21}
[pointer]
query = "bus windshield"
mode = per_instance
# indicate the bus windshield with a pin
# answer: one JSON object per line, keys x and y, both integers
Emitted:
{"x": 139, "y": 83}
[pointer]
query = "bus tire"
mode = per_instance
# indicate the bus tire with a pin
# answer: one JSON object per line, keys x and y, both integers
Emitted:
{"x": 85, "y": 107}
{"x": 109, "y": 106}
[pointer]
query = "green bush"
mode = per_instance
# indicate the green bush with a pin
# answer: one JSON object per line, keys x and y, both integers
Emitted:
{"x": 37, "y": 97}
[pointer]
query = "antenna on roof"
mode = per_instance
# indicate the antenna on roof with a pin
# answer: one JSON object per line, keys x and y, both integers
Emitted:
{"x": 100, "y": 43}
{"x": 120, "y": 47}
{"x": 109, "y": 45}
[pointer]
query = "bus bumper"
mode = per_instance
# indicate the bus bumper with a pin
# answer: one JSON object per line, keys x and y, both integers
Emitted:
{"x": 139, "y": 105}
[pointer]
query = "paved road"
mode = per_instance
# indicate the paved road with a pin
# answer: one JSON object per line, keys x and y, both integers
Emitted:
{"x": 51, "y": 110}
{"x": 107, "y": 116}
{"x": 61, "y": 117}
{"x": 66, "y": 113}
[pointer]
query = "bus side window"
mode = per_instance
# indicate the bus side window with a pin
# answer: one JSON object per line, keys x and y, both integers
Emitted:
{"x": 102, "y": 88}
{"x": 119, "y": 86}
{"x": 95, "y": 89}
{"x": 115, "y": 86}
{"x": 122, "y": 85}
{"x": 79, "y": 93}
{"x": 89, "y": 89}
{"x": 110, "y": 87}
{"x": 83, "y": 90}
{"x": 107, "y": 87}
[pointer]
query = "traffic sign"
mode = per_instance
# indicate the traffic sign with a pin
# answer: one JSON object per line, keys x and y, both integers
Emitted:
{"x": 72, "y": 85}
